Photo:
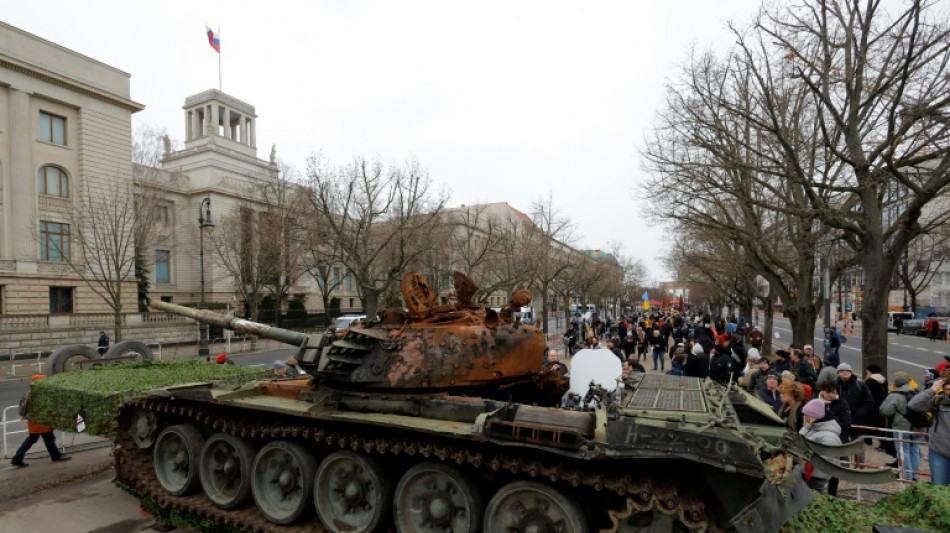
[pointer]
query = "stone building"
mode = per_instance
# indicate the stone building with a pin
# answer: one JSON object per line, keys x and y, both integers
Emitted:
{"x": 65, "y": 127}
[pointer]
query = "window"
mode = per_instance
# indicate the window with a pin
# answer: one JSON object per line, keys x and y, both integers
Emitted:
{"x": 161, "y": 266}
{"x": 336, "y": 277}
{"x": 1, "y": 298}
{"x": 349, "y": 282}
{"x": 162, "y": 214}
{"x": 60, "y": 299}
{"x": 351, "y": 303}
{"x": 52, "y": 128}
{"x": 54, "y": 241}
{"x": 52, "y": 181}
{"x": 167, "y": 299}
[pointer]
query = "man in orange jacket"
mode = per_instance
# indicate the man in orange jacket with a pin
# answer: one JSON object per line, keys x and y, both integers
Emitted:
{"x": 36, "y": 431}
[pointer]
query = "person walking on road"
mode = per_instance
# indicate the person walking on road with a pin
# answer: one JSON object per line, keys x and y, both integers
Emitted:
{"x": 37, "y": 431}
{"x": 933, "y": 328}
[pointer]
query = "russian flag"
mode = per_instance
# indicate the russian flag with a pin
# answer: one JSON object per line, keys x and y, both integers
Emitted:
{"x": 214, "y": 40}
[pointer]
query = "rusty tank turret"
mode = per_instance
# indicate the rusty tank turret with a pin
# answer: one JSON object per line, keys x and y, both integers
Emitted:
{"x": 442, "y": 418}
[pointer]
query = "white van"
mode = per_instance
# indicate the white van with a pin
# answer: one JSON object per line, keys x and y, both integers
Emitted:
{"x": 905, "y": 316}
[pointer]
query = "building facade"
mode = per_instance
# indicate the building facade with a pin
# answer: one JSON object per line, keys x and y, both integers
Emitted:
{"x": 65, "y": 127}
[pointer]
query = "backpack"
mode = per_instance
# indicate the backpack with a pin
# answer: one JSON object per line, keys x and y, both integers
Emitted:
{"x": 916, "y": 418}
{"x": 841, "y": 338}
{"x": 24, "y": 404}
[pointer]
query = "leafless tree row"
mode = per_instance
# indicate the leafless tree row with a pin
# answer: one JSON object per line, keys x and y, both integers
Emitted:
{"x": 819, "y": 139}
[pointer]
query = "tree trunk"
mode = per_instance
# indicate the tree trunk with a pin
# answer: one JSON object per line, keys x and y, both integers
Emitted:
{"x": 544, "y": 309}
{"x": 767, "y": 327}
{"x": 371, "y": 300}
{"x": 117, "y": 324}
{"x": 803, "y": 319}
{"x": 874, "y": 320}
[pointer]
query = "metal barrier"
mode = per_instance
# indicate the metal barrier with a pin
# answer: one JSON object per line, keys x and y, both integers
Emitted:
{"x": 5, "y": 421}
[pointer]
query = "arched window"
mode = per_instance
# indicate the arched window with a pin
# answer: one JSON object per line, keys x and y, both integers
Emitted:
{"x": 52, "y": 181}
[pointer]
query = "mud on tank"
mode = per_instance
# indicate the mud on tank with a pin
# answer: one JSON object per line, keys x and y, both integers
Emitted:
{"x": 442, "y": 419}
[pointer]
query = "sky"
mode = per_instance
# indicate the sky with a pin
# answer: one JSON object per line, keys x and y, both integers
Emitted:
{"x": 501, "y": 101}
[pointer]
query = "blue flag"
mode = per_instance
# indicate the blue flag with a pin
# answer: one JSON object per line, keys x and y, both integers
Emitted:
{"x": 645, "y": 296}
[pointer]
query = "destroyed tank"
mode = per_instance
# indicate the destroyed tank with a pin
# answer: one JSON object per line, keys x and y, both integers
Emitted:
{"x": 443, "y": 419}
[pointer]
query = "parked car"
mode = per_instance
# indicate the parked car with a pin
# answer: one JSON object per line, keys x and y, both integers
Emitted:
{"x": 344, "y": 321}
{"x": 905, "y": 316}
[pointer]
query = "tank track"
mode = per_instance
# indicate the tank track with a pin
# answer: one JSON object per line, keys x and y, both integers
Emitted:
{"x": 134, "y": 467}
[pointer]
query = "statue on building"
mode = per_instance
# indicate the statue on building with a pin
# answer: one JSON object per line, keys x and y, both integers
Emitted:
{"x": 273, "y": 153}
{"x": 167, "y": 144}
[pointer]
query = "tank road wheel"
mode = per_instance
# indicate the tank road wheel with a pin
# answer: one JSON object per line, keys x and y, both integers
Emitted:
{"x": 436, "y": 498}
{"x": 281, "y": 481}
{"x": 225, "y": 469}
{"x": 68, "y": 358}
{"x": 136, "y": 349}
{"x": 143, "y": 428}
{"x": 531, "y": 507}
{"x": 351, "y": 493}
{"x": 176, "y": 456}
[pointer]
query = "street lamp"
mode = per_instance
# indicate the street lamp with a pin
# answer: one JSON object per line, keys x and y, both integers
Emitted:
{"x": 205, "y": 225}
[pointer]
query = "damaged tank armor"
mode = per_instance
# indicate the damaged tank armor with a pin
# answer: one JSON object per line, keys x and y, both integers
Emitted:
{"x": 441, "y": 418}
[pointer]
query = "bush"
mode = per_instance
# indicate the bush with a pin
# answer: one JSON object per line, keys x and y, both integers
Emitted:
{"x": 98, "y": 392}
{"x": 296, "y": 309}
{"x": 921, "y": 505}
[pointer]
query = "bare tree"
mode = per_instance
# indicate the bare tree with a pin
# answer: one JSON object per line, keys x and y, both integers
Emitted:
{"x": 377, "y": 217}
{"x": 239, "y": 250}
{"x": 922, "y": 259}
{"x": 548, "y": 253}
{"x": 879, "y": 87}
{"x": 113, "y": 224}
{"x": 282, "y": 248}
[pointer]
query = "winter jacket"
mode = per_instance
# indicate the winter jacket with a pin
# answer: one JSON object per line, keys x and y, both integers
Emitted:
{"x": 781, "y": 366}
{"x": 720, "y": 367}
{"x": 828, "y": 374}
{"x": 770, "y": 397}
{"x": 697, "y": 366}
{"x": 738, "y": 358}
{"x": 939, "y": 440}
{"x": 856, "y": 393}
{"x": 842, "y": 413}
{"x": 825, "y": 431}
{"x": 792, "y": 413}
{"x": 35, "y": 428}
{"x": 894, "y": 408}
{"x": 677, "y": 370}
{"x": 877, "y": 384}
{"x": 807, "y": 375}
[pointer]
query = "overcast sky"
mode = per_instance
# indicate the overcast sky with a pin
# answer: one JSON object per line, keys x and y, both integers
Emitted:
{"x": 499, "y": 100}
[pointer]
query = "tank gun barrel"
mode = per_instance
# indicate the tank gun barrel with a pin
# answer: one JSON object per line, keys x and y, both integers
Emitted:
{"x": 240, "y": 325}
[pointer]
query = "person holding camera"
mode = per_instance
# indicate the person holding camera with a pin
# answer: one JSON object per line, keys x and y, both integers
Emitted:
{"x": 936, "y": 400}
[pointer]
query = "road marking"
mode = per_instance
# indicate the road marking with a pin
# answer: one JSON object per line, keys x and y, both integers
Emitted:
{"x": 907, "y": 362}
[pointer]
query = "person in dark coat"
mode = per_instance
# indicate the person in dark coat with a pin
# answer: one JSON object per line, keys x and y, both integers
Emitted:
{"x": 678, "y": 365}
{"x": 739, "y": 355}
{"x": 841, "y": 412}
{"x": 781, "y": 363}
{"x": 769, "y": 392}
{"x": 720, "y": 366}
{"x": 793, "y": 397}
{"x": 697, "y": 363}
{"x": 802, "y": 367}
{"x": 879, "y": 388}
{"x": 853, "y": 391}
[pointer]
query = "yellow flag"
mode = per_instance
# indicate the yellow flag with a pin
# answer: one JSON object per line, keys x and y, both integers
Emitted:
{"x": 646, "y": 305}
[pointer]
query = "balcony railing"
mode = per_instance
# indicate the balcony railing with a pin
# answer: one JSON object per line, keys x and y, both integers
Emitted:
{"x": 8, "y": 322}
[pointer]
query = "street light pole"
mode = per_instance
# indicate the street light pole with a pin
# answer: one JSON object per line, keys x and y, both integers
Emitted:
{"x": 205, "y": 226}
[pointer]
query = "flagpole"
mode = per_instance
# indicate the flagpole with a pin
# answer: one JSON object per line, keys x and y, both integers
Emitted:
{"x": 220, "y": 87}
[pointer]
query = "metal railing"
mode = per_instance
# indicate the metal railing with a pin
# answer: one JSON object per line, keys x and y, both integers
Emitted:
{"x": 85, "y": 320}
{"x": 37, "y": 362}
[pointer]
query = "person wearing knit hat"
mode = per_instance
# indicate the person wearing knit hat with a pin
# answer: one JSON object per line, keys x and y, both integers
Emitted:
{"x": 781, "y": 361}
{"x": 910, "y": 381}
{"x": 788, "y": 376}
{"x": 821, "y": 428}
{"x": 221, "y": 359}
{"x": 895, "y": 411}
{"x": 858, "y": 395}
{"x": 769, "y": 392}
{"x": 697, "y": 364}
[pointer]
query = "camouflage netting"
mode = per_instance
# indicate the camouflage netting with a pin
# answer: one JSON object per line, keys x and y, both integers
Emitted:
{"x": 922, "y": 505}
{"x": 99, "y": 391}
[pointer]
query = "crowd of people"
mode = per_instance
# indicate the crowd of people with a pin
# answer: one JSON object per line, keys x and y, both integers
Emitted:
{"x": 822, "y": 398}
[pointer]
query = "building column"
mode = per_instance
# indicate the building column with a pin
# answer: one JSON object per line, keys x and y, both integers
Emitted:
{"x": 19, "y": 233}
{"x": 212, "y": 119}
{"x": 253, "y": 128}
{"x": 189, "y": 124}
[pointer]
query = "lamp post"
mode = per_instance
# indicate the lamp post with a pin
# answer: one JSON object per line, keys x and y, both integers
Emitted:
{"x": 205, "y": 226}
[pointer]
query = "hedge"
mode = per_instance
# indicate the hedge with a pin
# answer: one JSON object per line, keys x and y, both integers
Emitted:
{"x": 98, "y": 392}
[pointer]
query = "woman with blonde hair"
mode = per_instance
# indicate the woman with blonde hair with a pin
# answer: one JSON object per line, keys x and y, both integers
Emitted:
{"x": 792, "y": 396}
